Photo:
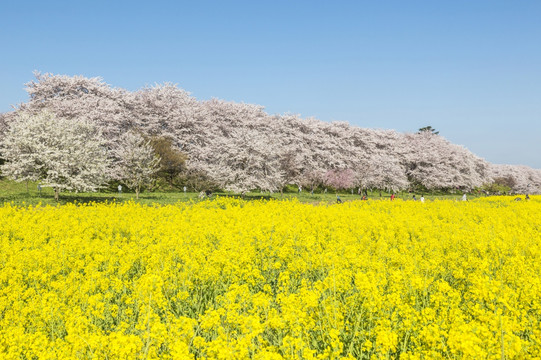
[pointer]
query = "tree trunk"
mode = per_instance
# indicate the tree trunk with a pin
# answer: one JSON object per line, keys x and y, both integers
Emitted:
{"x": 137, "y": 192}
{"x": 56, "y": 193}
{"x": 27, "y": 186}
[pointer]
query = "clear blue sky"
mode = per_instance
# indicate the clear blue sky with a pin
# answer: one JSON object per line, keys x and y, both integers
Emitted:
{"x": 471, "y": 69}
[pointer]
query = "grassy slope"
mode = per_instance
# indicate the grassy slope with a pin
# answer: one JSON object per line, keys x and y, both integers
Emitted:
{"x": 17, "y": 193}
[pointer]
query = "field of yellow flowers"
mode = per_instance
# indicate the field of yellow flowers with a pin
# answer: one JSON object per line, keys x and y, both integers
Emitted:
{"x": 229, "y": 279}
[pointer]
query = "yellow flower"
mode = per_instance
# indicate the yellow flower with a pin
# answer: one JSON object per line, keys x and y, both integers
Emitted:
{"x": 229, "y": 279}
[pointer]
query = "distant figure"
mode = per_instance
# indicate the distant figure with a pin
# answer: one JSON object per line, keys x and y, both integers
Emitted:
{"x": 119, "y": 189}
{"x": 338, "y": 200}
{"x": 414, "y": 198}
{"x": 364, "y": 197}
{"x": 208, "y": 193}
{"x": 527, "y": 197}
{"x": 422, "y": 199}
{"x": 359, "y": 191}
{"x": 392, "y": 196}
{"x": 518, "y": 199}
{"x": 325, "y": 191}
{"x": 312, "y": 192}
{"x": 39, "y": 189}
{"x": 464, "y": 197}
{"x": 202, "y": 195}
{"x": 184, "y": 189}
{"x": 300, "y": 189}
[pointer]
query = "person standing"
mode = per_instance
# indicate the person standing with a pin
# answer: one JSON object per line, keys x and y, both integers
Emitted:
{"x": 464, "y": 198}
{"x": 422, "y": 199}
{"x": 392, "y": 196}
{"x": 119, "y": 189}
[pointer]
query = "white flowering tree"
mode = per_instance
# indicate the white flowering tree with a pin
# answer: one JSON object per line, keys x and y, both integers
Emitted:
{"x": 65, "y": 154}
{"x": 138, "y": 162}
{"x": 79, "y": 97}
{"x": 3, "y": 123}
{"x": 241, "y": 147}
{"x": 383, "y": 172}
{"x": 340, "y": 179}
{"x": 236, "y": 151}
{"x": 525, "y": 179}
{"x": 435, "y": 163}
{"x": 3, "y": 129}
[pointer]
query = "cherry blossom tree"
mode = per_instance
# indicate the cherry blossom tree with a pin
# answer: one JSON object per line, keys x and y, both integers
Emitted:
{"x": 525, "y": 180}
{"x": 340, "y": 179}
{"x": 166, "y": 110}
{"x": 383, "y": 172}
{"x": 3, "y": 123}
{"x": 311, "y": 148}
{"x": 65, "y": 154}
{"x": 236, "y": 153}
{"x": 138, "y": 162}
{"x": 78, "y": 97}
{"x": 241, "y": 147}
{"x": 3, "y": 129}
{"x": 292, "y": 139}
{"x": 312, "y": 179}
{"x": 435, "y": 163}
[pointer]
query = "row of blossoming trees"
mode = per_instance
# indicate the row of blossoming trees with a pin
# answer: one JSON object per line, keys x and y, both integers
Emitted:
{"x": 98, "y": 134}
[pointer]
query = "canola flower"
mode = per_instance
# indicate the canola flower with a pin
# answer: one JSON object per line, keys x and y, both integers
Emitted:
{"x": 229, "y": 279}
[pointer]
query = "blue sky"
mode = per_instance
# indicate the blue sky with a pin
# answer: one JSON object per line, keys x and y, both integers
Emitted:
{"x": 471, "y": 69}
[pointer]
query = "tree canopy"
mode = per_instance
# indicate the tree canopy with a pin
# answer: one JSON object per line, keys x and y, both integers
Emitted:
{"x": 429, "y": 129}
{"x": 240, "y": 147}
{"x": 66, "y": 154}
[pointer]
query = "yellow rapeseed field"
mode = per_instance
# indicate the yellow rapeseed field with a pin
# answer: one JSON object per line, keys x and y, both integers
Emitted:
{"x": 229, "y": 279}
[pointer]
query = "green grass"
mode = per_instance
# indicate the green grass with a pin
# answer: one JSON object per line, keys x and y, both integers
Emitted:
{"x": 18, "y": 194}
